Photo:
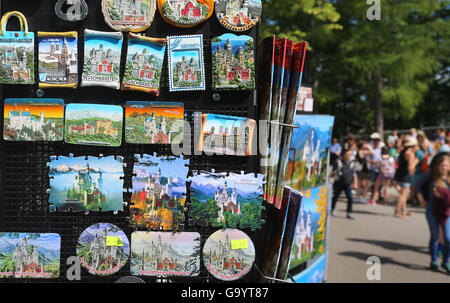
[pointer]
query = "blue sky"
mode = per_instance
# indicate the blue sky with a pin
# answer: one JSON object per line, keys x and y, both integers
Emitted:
{"x": 25, "y": 101}
{"x": 107, "y": 164}
{"x": 178, "y": 55}
{"x": 322, "y": 123}
{"x": 174, "y": 169}
{"x": 310, "y": 204}
{"x": 235, "y": 41}
{"x": 94, "y": 42}
{"x": 155, "y": 49}
{"x": 45, "y": 43}
{"x": 98, "y": 107}
{"x": 49, "y": 241}
{"x": 9, "y": 34}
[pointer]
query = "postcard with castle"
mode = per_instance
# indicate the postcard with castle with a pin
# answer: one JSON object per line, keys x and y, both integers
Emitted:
{"x": 30, "y": 255}
{"x": 307, "y": 160}
{"x": 102, "y": 51}
{"x": 144, "y": 63}
{"x": 86, "y": 185}
{"x": 186, "y": 63}
{"x": 227, "y": 135}
{"x": 165, "y": 254}
{"x": 226, "y": 261}
{"x": 129, "y": 15}
{"x": 233, "y": 62}
{"x": 103, "y": 249}
{"x": 154, "y": 122}
{"x": 238, "y": 15}
{"x": 33, "y": 119}
{"x": 17, "y": 58}
{"x": 158, "y": 194}
{"x": 222, "y": 200}
{"x": 58, "y": 59}
{"x": 93, "y": 124}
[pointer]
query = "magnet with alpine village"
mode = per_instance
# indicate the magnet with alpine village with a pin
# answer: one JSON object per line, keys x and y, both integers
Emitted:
{"x": 154, "y": 122}
{"x": 103, "y": 249}
{"x": 58, "y": 59}
{"x": 165, "y": 254}
{"x": 228, "y": 254}
{"x": 233, "y": 62}
{"x": 129, "y": 15}
{"x": 33, "y": 119}
{"x": 186, "y": 13}
{"x": 30, "y": 255}
{"x": 238, "y": 15}
{"x": 158, "y": 193}
{"x": 102, "y": 52}
{"x": 93, "y": 124}
{"x": 144, "y": 63}
{"x": 81, "y": 184}
{"x": 186, "y": 63}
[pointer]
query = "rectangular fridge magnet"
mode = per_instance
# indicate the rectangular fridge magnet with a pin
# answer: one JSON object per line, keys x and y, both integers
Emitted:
{"x": 186, "y": 63}
{"x": 93, "y": 124}
{"x": 154, "y": 122}
{"x": 33, "y": 119}
{"x": 144, "y": 63}
{"x": 102, "y": 51}
{"x": 58, "y": 59}
{"x": 16, "y": 52}
{"x": 30, "y": 255}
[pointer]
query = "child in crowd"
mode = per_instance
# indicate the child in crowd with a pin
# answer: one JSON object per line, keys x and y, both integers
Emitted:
{"x": 387, "y": 172}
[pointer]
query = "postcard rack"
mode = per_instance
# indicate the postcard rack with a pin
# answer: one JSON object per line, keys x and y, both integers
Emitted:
{"x": 23, "y": 165}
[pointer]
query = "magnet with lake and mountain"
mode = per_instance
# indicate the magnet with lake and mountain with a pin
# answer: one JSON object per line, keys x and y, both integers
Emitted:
{"x": 144, "y": 63}
{"x": 33, "y": 119}
{"x": 129, "y": 15}
{"x": 224, "y": 261}
{"x": 30, "y": 255}
{"x": 93, "y": 124}
{"x": 238, "y": 15}
{"x": 165, "y": 254}
{"x": 186, "y": 13}
{"x": 91, "y": 184}
{"x": 158, "y": 193}
{"x": 102, "y": 51}
{"x": 103, "y": 249}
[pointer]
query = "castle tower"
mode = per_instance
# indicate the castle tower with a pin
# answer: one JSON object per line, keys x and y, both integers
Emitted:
{"x": 42, "y": 117}
{"x": 163, "y": 125}
{"x": 241, "y": 57}
{"x": 64, "y": 62}
{"x": 245, "y": 8}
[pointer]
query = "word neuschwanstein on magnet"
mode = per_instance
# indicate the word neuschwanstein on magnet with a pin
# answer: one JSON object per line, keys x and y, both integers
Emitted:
{"x": 58, "y": 59}
{"x": 102, "y": 59}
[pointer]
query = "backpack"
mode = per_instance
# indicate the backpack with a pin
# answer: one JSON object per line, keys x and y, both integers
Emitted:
{"x": 345, "y": 173}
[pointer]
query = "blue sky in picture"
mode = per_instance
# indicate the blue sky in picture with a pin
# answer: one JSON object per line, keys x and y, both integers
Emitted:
{"x": 49, "y": 241}
{"x": 136, "y": 46}
{"x": 46, "y": 42}
{"x": 177, "y": 55}
{"x": 174, "y": 169}
{"x": 94, "y": 42}
{"x": 236, "y": 42}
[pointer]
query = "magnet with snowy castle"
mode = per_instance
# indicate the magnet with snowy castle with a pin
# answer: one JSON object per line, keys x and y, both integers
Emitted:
{"x": 238, "y": 15}
{"x": 30, "y": 255}
{"x": 221, "y": 200}
{"x": 233, "y": 62}
{"x": 58, "y": 59}
{"x": 165, "y": 254}
{"x": 93, "y": 124}
{"x": 228, "y": 254}
{"x": 186, "y": 63}
{"x": 102, "y": 51}
{"x": 129, "y": 15}
{"x": 144, "y": 63}
{"x": 158, "y": 193}
{"x": 103, "y": 249}
{"x": 154, "y": 122}
{"x": 33, "y": 119}
{"x": 86, "y": 184}
{"x": 186, "y": 13}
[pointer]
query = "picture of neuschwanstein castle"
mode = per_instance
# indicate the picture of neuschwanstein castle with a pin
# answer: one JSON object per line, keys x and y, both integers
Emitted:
{"x": 15, "y": 64}
{"x": 128, "y": 11}
{"x": 185, "y": 11}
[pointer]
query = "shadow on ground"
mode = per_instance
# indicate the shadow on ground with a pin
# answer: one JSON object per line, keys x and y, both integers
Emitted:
{"x": 384, "y": 260}
{"x": 392, "y": 245}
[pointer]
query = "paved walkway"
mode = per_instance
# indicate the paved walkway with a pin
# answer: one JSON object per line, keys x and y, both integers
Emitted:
{"x": 401, "y": 244}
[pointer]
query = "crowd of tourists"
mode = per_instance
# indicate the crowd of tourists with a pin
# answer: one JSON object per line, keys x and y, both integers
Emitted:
{"x": 417, "y": 167}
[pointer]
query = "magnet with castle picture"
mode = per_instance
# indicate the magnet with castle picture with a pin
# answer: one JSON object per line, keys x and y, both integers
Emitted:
{"x": 154, "y": 122}
{"x": 129, "y": 15}
{"x": 233, "y": 62}
{"x": 58, "y": 59}
{"x": 186, "y": 13}
{"x": 102, "y": 51}
{"x": 228, "y": 254}
{"x": 238, "y": 15}
{"x": 33, "y": 119}
{"x": 186, "y": 63}
{"x": 144, "y": 62}
{"x": 158, "y": 193}
{"x": 103, "y": 249}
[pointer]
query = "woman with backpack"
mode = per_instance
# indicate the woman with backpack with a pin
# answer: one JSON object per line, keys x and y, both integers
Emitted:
{"x": 434, "y": 192}
{"x": 387, "y": 172}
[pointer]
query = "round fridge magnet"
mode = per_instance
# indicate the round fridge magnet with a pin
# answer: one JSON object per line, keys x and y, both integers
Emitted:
{"x": 186, "y": 13}
{"x": 103, "y": 249}
{"x": 228, "y": 254}
{"x": 238, "y": 15}
{"x": 129, "y": 15}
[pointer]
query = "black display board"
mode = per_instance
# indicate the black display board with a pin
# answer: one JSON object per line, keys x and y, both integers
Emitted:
{"x": 24, "y": 203}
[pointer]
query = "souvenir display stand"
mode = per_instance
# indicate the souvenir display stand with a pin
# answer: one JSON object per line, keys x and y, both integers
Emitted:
{"x": 24, "y": 205}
